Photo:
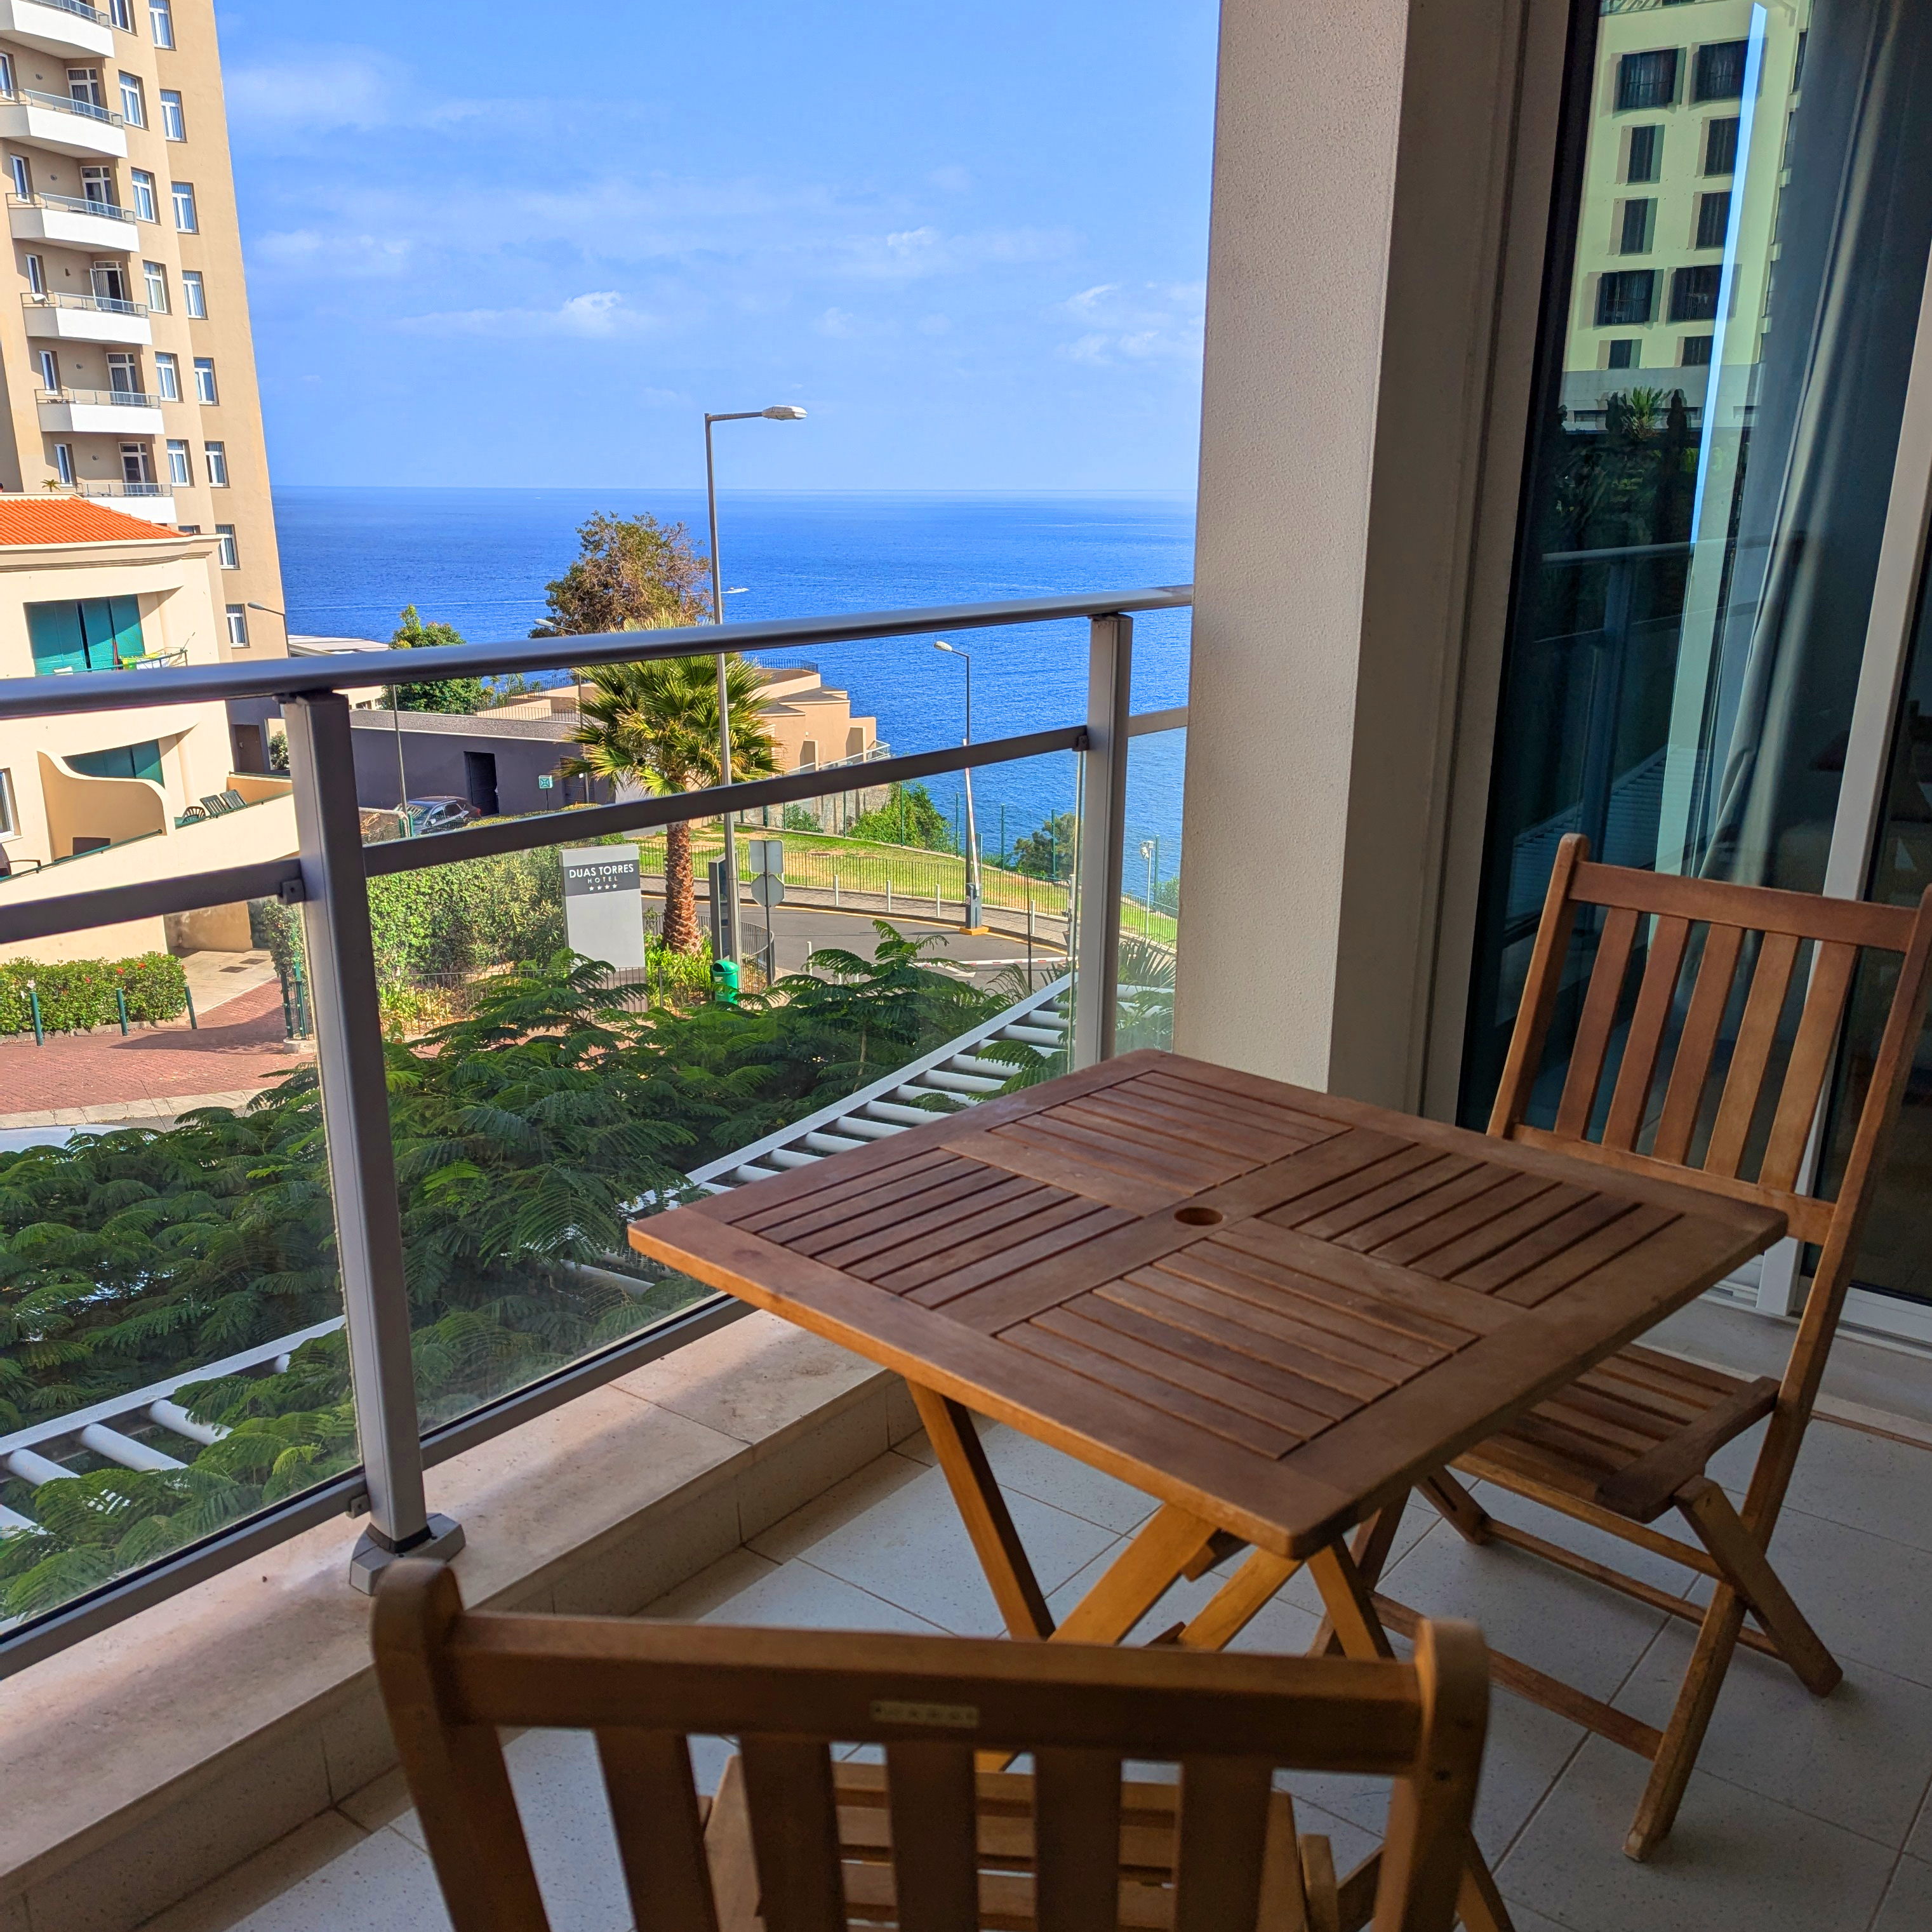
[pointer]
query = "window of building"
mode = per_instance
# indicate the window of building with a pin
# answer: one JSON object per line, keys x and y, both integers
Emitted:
{"x": 133, "y": 101}
{"x": 136, "y": 466}
{"x": 1714, "y": 218}
{"x": 1633, "y": 234}
{"x": 172, "y": 125}
{"x": 97, "y": 185}
{"x": 180, "y": 469}
{"x": 49, "y": 366}
{"x": 109, "y": 281}
{"x": 1625, "y": 297}
{"x": 231, "y": 557}
{"x": 10, "y": 822}
{"x": 1623, "y": 354}
{"x": 194, "y": 296}
{"x": 204, "y": 379}
{"x": 161, "y": 23}
{"x": 185, "y": 217}
{"x": 1720, "y": 146}
{"x": 124, "y": 374}
{"x": 63, "y": 463}
{"x": 1694, "y": 352}
{"x": 122, "y": 12}
{"x": 84, "y": 634}
{"x": 155, "y": 275}
{"x": 215, "y": 456}
{"x": 238, "y": 626}
{"x": 167, "y": 377}
{"x": 1646, "y": 153}
{"x": 6, "y": 73}
{"x": 1693, "y": 294}
{"x": 1647, "y": 80}
{"x": 37, "y": 275}
{"x": 1720, "y": 71}
{"x": 23, "y": 182}
{"x": 189, "y": 529}
{"x": 83, "y": 85}
{"x": 125, "y": 761}
{"x": 146, "y": 208}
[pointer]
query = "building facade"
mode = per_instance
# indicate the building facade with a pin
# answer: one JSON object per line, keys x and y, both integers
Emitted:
{"x": 127, "y": 364}
{"x": 105, "y": 797}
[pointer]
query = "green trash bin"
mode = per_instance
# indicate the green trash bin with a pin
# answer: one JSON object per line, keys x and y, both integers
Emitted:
{"x": 724, "y": 981}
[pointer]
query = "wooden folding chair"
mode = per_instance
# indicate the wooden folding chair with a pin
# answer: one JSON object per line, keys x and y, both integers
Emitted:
{"x": 1631, "y": 1439}
{"x": 794, "y": 1843}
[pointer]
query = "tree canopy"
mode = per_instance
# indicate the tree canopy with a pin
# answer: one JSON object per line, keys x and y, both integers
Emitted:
{"x": 909, "y": 816}
{"x": 455, "y": 693}
{"x": 633, "y": 574}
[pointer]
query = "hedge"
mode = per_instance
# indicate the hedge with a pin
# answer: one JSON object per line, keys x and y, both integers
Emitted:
{"x": 79, "y": 993}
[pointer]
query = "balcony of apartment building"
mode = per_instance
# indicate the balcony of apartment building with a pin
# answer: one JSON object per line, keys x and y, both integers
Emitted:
{"x": 98, "y": 411}
{"x": 1423, "y": 657}
{"x": 57, "y": 26}
{"x": 86, "y": 318}
{"x": 68, "y": 124}
{"x": 75, "y": 221}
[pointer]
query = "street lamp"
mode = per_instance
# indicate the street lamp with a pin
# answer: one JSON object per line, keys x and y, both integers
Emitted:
{"x": 973, "y": 919}
{"x": 1150, "y": 852}
{"x": 727, "y": 922}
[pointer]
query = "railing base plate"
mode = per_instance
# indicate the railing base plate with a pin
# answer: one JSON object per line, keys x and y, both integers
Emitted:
{"x": 369, "y": 1559}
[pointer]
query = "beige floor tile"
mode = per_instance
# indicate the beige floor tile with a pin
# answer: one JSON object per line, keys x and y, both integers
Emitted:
{"x": 1869, "y": 1482}
{"x": 1030, "y": 1469}
{"x": 843, "y": 1503}
{"x": 1578, "y": 1630}
{"x": 1861, "y": 1758}
{"x": 691, "y": 1602}
{"x": 1736, "y": 1862}
{"x": 256, "y": 1884}
{"x": 382, "y": 1882}
{"x": 1525, "y": 1920}
{"x": 1599, "y": 1545}
{"x": 378, "y": 1804}
{"x": 1908, "y": 1900}
{"x": 1919, "y": 1845}
{"x": 799, "y": 1595}
{"x": 910, "y": 1547}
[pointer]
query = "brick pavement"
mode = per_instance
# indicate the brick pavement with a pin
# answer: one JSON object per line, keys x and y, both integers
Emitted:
{"x": 238, "y": 1050}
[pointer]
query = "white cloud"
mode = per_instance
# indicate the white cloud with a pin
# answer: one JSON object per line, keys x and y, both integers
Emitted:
{"x": 600, "y": 314}
{"x": 327, "y": 90}
{"x": 1155, "y": 322}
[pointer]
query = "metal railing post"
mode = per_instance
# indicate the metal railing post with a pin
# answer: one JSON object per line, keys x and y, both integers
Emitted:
{"x": 1096, "y": 961}
{"x": 356, "y": 1126}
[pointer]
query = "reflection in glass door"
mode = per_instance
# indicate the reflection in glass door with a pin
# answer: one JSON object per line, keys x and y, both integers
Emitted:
{"x": 1729, "y": 327}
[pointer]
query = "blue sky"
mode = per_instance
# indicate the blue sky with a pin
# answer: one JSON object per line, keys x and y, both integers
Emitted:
{"x": 528, "y": 244}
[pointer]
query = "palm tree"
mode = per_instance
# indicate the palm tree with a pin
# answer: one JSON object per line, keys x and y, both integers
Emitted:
{"x": 656, "y": 725}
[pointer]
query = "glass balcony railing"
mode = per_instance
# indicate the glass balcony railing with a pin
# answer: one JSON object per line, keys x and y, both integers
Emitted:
{"x": 508, "y": 1067}
{"x": 117, "y": 488}
{"x": 73, "y": 204}
{"x": 125, "y": 399}
{"x": 76, "y": 6}
{"x": 66, "y": 103}
{"x": 101, "y": 304}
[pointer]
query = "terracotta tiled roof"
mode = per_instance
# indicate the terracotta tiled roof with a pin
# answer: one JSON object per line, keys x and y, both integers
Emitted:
{"x": 59, "y": 520}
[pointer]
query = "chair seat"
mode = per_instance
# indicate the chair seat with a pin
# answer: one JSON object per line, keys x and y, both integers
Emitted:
{"x": 1301, "y": 1894}
{"x": 1627, "y": 1436}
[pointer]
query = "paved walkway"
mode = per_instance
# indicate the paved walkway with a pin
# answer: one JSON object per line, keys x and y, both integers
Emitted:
{"x": 78, "y": 1078}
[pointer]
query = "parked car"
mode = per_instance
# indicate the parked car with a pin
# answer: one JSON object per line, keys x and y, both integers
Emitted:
{"x": 438, "y": 814}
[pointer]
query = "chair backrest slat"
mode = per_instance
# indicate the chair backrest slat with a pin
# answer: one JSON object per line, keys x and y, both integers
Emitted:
{"x": 1076, "y": 1840}
{"x": 931, "y": 1793}
{"x": 795, "y": 1833}
{"x": 1662, "y": 964}
{"x": 660, "y": 1835}
{"x": 1598, "y": 1019}
{"x": 959, "y": 1849}
{"x": 1750, "y": 1053}
{"x": 1809, "y": 1064}
{"x": 1697, "y": 1044}
{"x": 1224, "y": 1816}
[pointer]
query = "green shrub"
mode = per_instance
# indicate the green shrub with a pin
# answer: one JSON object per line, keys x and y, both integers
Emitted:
{"x": 78, "y": 994}
{"x": 457, "y": 918}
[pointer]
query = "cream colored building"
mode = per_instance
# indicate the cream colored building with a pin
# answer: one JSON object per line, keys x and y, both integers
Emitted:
{"x": 126, "y": 359}
{"x": 105, "y": 798}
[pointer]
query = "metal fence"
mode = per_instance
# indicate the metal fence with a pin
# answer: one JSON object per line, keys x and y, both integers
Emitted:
{"x": 327, "y": 878}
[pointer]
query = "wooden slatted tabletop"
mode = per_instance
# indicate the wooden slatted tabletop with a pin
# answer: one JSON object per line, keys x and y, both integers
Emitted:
{"x": 1272, "y": 1309}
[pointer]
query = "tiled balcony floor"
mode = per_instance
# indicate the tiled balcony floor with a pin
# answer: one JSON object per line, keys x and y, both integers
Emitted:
{"x": 1805, "y": 1816}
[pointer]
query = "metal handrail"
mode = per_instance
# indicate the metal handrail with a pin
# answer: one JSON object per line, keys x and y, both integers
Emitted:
{"x": 105, "y": 305}
{"x": 79, "y": 7}
{"x": 66, "y": 103}
{"x": 133, "y": 399}
{"x": 109, "y": 487}
{"x": 72, "y": 204}
{"x": 19, "y": 698}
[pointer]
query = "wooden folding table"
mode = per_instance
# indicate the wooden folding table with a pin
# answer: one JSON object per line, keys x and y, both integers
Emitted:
{"x": 1274, "y": 1310}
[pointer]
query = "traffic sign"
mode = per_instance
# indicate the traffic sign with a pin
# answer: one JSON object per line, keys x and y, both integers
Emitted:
{"x": 767, "y": 888}
{"x": 766, "y": 857}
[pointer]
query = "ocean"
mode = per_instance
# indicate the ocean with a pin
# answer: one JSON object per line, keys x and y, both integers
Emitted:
{"x": 479, "y": 558}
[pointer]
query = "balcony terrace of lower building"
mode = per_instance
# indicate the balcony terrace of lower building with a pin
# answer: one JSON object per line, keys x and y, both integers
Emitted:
{"x": 75, "y": 318}
{"x": 98, "y": 411}
{"x": 57, "y": 26}
{"x": 74, "y": 221}
{"x": 66, "y": 125}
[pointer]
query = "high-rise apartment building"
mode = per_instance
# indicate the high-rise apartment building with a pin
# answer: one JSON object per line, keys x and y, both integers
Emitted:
{"x": 128, "y": 365}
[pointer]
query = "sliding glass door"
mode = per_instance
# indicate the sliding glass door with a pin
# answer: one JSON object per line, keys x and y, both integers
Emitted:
{"x": 1730, "y": 325}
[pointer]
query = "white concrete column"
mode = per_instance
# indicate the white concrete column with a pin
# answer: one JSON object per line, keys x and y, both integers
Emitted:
{"x": 1361, "y": 169}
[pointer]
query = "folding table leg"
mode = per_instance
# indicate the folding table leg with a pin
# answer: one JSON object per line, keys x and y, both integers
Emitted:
{"x": 1370, "y": 1552}
{"x": 962, "y": 1457}
{"x": 1163, "y": 1550}
{"x": 1351, "y": 1609}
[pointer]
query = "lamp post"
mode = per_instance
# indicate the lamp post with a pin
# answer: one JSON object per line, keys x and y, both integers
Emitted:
{"x": 727, "y": 923}
{"x": 973, "y": 923}
{"x": 1150, "y": 852}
